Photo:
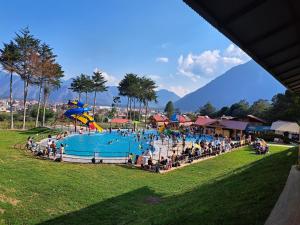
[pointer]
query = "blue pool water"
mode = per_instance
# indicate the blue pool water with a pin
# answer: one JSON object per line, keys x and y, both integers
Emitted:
{"x": 105, "y": 144}
{"x": 113, "y": 144}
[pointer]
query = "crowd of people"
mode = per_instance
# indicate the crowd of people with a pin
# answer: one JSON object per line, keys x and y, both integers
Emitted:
{"x": 51, "y": 149}
{"x": 194, "y": 146}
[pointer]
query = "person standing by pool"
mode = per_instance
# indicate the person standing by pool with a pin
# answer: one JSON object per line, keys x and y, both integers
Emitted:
{"x": 53, "y": 148}
{"x": 49, "y": 147}
{"x": 61, "y": 151}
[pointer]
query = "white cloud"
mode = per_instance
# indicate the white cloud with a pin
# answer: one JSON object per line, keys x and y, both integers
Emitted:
{"x": 111, "y": 80}
{"x": 154, "y": 77}
{"x": 179, "y": 90}
{"x": 162, "y": 59}
{"x": 211, "y": 63}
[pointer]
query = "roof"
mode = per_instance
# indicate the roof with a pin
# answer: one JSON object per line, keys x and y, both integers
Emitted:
{"x": 285, "y": 126}
{"x": 268, "y": 31}
{"x": 203, "y": 120}
{"x": 234, "y": 125}
{"x": 256, "y": 118}
{"x": 160, "y": 118}
{"x": 119, "y": 120}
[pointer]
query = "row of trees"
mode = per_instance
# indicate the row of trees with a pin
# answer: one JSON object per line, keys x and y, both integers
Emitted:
{"x": 36, "y": 64}
{"x": 89, "y": 84}
{"x": 282, "y": 107}
{"x": 138, "y": 90}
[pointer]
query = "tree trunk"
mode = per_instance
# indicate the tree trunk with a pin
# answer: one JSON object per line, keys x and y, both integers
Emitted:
{"x": 127, "y": 116}
{"x": 24, "y": 103}
{"x": 44, "y": 109}
{"x": 140, "y": 110}
{"x": 146, "y": 112}
{"x": 39, "y": 106}
{"x": 130, "y": 108}
{"x": 79, "y": 96}
{"x": 11, "y": 102}
{"x": 134, "y": 109}
{"x": 86, "y": 98}
{"x": 95, "y": 94}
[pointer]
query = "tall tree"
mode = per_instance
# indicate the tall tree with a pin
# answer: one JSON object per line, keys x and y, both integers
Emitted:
{"x": 77, "y": 86}
{"x": 52, "y": 81}
{"x": 98, "y": 85}
{"x": 9, "y": 57}
{"x": 169, "y": 109}
{"x": 27, "y": 46}
{"x": 45, "y": 61}
{"x": 148, "y": 86}
{"x": 260, "y": 108}
{"x": 239, "y": 109}
{"x": 128, "y": 87}
{"x": 87, "y": 85}
{"x": 207, "y": 110}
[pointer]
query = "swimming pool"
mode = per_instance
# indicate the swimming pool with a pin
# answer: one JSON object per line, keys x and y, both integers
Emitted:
{"x": 106, "y": 144}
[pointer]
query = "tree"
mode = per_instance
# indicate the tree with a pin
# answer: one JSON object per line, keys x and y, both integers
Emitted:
{"x": 207, "y": 110}
{"x": 260, "y": 108}
{"x": 149, "y": 94}
{"x": 98, "y": 85}
{"x": 52, "y": 81}
{"x": 169, "y": 109}
{"x": 116, "y": 102}
{"x": 87, "y": 85}
{"x": 128, "y": 87}
{"x": 223, "y": 111}
{"x": 9, "y": 56}
{"x": 77, "y": 86}
{"x": 44, "y": 64}
{"x": 285, "y": 107}
{"x": 239, "y": 109}
{"x": 27, "y": 47}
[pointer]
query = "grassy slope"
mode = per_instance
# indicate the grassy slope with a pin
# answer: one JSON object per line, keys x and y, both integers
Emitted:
{"x": 235, "y": 188}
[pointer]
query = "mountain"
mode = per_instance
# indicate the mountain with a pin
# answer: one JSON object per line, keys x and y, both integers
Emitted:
{"x": 63, "y": 94}
{"x": 248, "y": 81}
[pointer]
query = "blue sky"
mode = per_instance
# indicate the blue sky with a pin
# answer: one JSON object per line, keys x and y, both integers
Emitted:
{"x": 163, "y": 39}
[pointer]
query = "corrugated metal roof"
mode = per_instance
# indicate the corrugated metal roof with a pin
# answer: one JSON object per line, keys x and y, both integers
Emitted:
{"x": 267, "y": 30}
{"x": 285, "y": 126}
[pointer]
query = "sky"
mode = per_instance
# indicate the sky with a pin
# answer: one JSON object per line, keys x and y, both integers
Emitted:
{"x": 162, "y": 39}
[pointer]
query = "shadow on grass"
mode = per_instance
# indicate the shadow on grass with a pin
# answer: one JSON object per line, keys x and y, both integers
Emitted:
{"x": 244, "y": 196}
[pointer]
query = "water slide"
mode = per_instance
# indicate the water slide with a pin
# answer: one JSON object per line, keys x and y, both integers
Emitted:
{"x": 80, "y": 113}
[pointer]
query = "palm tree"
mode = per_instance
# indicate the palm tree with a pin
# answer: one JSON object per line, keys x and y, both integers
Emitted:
{"x": 8, "y": 58}
{"x": 27, "y": 47}
{"x": 149, "y": 93}
{"x": 98, "y": 85}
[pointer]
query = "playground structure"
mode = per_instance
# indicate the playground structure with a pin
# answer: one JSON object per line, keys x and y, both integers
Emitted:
{"x": 79, "y": 112}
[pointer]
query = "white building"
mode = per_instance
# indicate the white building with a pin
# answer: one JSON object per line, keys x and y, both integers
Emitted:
{"x": 291, "y": 129}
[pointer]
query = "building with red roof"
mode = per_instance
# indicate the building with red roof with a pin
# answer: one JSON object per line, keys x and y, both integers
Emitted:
{"x": 224, "y": 127}
{"x": 158, "y": 120}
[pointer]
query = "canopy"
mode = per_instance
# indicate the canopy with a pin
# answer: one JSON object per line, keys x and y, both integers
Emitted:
{"x": 119, "y": 120}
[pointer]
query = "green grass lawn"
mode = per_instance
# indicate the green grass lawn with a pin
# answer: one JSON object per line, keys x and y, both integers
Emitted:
{"x": 236, "y": 188}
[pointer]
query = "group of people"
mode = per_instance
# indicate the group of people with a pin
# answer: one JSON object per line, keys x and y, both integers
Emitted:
{"x": 260, "y": 146}
{"x": 52, "y": 149}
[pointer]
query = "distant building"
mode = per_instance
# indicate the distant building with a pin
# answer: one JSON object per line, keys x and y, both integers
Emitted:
{"x": 224, "y": 127}
{"x": 158, "y": 120}
{"x": 286, "y": 128}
